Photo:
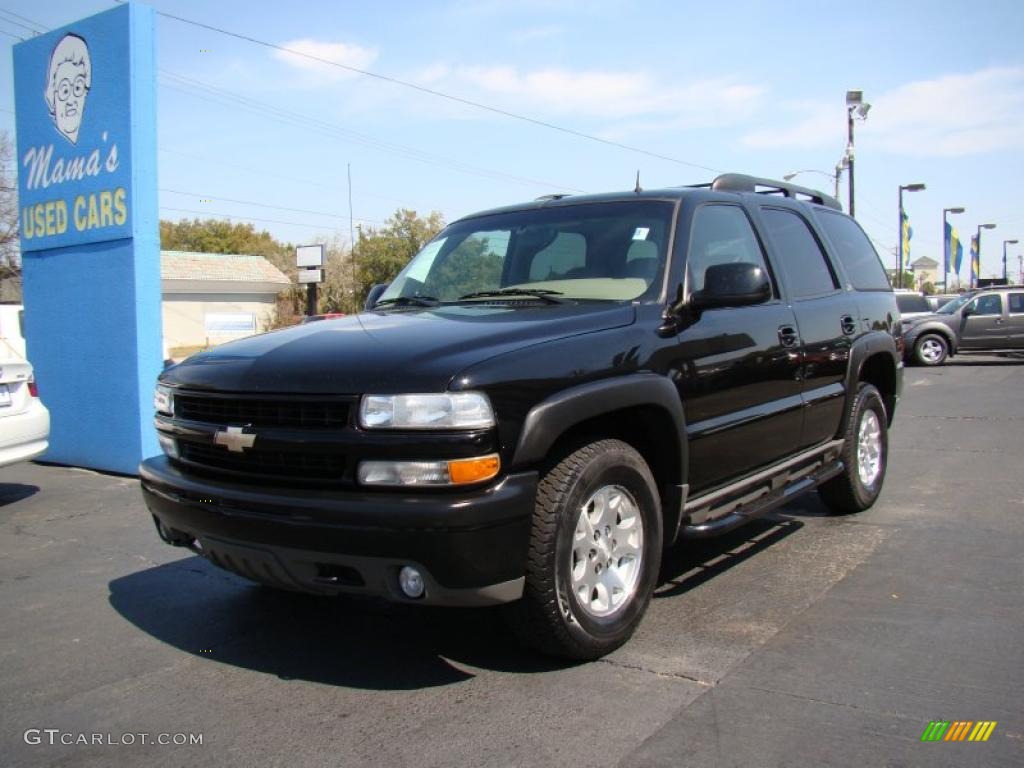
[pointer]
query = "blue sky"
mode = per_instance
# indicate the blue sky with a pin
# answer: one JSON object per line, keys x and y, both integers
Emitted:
{"x": 257, "y": 134}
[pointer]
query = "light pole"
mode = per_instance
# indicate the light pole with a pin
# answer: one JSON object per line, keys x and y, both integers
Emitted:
{"x": 977, "y": 241}
{"x": 1006, "y": 243}
{"x": 899, "y": 267}
{"x": 855, "y": 105}
{"x": 946, "y": 255}
{"x": 833, "y": 176}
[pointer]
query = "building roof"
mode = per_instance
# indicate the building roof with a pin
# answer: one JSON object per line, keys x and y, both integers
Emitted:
{"x": 925, "y": 262}
{"x": 234, "y": 267}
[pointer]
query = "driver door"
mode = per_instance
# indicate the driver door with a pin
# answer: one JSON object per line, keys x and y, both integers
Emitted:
{"x": 983, "y": 323}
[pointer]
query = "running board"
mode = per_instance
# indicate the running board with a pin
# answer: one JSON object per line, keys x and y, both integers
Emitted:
{"x": 721, "y": 511}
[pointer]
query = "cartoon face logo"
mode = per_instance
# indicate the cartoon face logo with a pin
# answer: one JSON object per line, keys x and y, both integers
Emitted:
{"x": 68, "y": 80}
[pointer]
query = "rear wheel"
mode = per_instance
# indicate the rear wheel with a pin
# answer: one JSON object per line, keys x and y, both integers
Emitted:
{"x": 931, "y": 349}
{"x": 865, "y": 455}
{"x": 595, "y": 549}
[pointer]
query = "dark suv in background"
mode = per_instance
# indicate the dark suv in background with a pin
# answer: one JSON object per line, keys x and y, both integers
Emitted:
{"x": 547, "y": 396}
{"x": 989, "y": 320}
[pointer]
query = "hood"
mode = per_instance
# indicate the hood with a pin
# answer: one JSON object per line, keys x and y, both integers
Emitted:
{"x": 387, "y": 352}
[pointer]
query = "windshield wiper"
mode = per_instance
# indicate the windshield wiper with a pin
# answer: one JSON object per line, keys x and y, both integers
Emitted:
{"x": 544, "y": 294}
{"x": 409, "y": 301}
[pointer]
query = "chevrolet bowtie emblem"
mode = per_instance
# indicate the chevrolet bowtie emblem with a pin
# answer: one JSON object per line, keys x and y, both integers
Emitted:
{"x": 234, "y": 439}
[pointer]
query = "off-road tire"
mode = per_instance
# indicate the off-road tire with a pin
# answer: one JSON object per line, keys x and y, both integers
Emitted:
{"x": 549, "y": 618}
{"x": 847, "y": 492}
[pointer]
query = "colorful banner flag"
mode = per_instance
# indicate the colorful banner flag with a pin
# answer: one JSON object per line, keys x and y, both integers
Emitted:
{"x": 975, "y": 260}
{"x": 957, "y": 249}
{"x": 954, "y": 249}
{"x": 906, "y": 234}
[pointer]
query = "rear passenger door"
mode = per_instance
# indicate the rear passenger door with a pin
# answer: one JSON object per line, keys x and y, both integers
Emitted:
{"x": 826, "y": 318}
{"x": 1015, "y": 321}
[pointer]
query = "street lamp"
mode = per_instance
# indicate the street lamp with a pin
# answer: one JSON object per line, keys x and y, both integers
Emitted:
{"x": 833, "y": 176}
{"x": 946, "y": 255}
{"x": 855, "y": 105}
{"x": 977, "y": 241}
{"x": 1006, "y": 243}
{"x": 903, "y": 188}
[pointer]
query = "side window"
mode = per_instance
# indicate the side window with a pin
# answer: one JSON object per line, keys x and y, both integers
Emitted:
{"x": 720, "y": 234}
{"x": 990, "y": 304}
{"x": 859, "y": 257}
{"x": 567, "y": 252}
{"x": 803, "y": 263}
{"x": 1016, "y": 303}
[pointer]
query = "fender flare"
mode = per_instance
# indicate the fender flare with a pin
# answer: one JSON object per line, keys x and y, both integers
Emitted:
{"x": 867, "y": 346}
{"x": 553, "y": 417}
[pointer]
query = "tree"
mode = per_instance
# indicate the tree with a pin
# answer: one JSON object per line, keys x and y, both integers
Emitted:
{"x": 380, "y": 254}
{"x": 10, "y": 251}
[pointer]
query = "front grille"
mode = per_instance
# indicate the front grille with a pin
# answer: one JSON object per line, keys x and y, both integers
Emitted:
{"x": 324, "y": 467}
{"x": 263, "y": 412}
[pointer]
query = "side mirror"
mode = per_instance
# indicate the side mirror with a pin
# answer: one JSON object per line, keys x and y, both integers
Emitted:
{"x": 732, "y": 285}
{"x": 373, "y": 295}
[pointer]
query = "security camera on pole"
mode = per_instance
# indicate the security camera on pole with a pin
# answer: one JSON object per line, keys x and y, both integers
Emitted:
{"x": 855, "y": 107}
{"x": 310, "y": 261}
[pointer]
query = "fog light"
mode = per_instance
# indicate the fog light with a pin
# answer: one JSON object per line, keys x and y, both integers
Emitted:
{"x": 411, "y": 582}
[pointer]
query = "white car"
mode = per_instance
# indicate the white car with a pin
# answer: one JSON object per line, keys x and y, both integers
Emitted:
{"x": 24, "y": 420}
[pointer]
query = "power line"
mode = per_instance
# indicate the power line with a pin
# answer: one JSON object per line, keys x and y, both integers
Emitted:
{"x": 42, "y": 27}
{"x": 441, "y": 94}
{"x": 258, "y": 205}
{"x": 263, "y": 172}
{"x": 33, "y": 30}
{"x": 219, "y": 95}
{"x": 229, "y": 216}
{"x": 16, "y": 37}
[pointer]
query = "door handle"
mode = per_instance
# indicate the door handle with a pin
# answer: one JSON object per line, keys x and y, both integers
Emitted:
{"x": 787, "y": 335}
{"x": 848, "y": 324}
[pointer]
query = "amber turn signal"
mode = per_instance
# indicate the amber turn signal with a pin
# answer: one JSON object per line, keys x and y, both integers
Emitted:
{"x": 462, "y": 471}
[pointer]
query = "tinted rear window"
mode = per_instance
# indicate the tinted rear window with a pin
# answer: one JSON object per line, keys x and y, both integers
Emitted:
{"x": 912, "y": 302}
{"x": 859, "y": 258}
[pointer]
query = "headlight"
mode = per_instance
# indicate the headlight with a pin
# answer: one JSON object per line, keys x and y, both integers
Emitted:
{"x": 163, "y": 400}
{"x": 455, "y": 410}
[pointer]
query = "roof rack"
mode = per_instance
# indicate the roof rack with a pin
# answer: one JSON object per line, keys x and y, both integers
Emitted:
{"x": 552, "y": 196}
{"x": 738, "y": 182}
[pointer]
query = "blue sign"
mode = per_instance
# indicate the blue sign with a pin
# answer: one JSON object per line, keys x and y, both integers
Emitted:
{"x": 85, "y": 99}
{"x": 74, "y": 134}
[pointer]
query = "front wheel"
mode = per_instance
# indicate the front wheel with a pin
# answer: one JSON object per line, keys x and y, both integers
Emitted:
{"x": 865, "y": 455}
{"x": 595, "y": 550}
{"x": 931, "y": 349}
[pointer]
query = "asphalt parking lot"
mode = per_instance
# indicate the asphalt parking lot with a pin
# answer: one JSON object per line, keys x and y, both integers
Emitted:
{"x": 803, "y": 639}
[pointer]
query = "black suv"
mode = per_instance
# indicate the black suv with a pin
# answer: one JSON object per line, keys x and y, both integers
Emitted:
{"x": 544, "y": 398}
{"x": 989, "y": 320}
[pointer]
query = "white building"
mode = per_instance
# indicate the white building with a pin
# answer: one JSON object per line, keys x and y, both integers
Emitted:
{"x": 210, "y": 298}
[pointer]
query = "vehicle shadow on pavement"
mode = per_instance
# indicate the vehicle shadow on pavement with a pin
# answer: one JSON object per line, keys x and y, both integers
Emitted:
{"x": 1004, "y": 358}
{"x": 344, "y": 641}
{"x": 12, "y": 492}
{"x": 689, "y": 564}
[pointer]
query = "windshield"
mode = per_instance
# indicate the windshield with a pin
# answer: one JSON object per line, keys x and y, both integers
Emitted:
{"x": 607, "y": 251}
{"x": 954, "y": 305}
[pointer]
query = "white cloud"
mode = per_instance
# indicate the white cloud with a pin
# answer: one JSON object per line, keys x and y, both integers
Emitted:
{"x": 952, "y": 115}
{"x": 607, "y": 94}
{"x": 347, "y": 54}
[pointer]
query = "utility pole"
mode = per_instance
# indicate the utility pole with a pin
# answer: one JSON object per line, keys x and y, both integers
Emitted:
{"x": 351, "y": 238}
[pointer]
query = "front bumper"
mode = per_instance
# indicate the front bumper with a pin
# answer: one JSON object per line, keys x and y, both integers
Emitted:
{"x": 470, "y": 546}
